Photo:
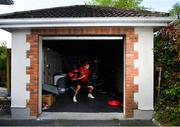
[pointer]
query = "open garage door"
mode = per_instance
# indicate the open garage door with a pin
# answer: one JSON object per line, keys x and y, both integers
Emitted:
{"x": 60, "y": 55}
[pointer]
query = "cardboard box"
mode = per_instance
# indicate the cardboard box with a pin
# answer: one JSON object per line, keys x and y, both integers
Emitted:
{"x": 48, "y": 99}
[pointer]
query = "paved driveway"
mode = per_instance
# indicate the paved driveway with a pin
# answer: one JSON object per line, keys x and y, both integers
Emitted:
{"x": 34, "y": 122}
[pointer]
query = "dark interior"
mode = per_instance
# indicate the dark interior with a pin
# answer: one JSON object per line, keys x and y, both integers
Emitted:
{"x": 106, "y": 60}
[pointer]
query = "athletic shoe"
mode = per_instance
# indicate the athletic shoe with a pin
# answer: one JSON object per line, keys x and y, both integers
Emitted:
{"x": 74, "y": 99}
{"x": 91, "y": 96}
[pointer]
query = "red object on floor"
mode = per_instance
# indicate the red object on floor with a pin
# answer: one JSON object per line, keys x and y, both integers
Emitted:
{"x": 114, "y": 103}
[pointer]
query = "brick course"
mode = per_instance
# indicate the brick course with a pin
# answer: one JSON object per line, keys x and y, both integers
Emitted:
{"x": 130, "y": 55}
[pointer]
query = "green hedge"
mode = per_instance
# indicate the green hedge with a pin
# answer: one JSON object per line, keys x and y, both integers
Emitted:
{"x": 167, "y": 56}
{"x": 3, "y": 56}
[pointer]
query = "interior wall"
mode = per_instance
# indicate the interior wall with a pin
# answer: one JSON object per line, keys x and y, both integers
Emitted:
{"x": 52, "y": 64}
{"x": 109, "y": 52}
{"x": 112, "y": 67}
{"x": 120, "y": 69}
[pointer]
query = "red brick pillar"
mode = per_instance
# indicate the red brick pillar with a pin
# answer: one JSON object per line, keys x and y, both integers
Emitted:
{"x": 130, "y": 73}
{"x": 33, "y": 71}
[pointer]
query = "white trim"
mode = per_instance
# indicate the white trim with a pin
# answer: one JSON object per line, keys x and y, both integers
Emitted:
{"x": 77, "y": 115}
{"x": 83, "y": 38}
{"x": 83, "y": 25}
{"x": 124, "y": 75}
{"x": 92, "y": 21}
{"x": 40, "y": 75}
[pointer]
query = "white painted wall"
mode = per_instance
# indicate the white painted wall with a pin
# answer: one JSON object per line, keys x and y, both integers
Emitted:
{"x": 146, "y": 69}
{"x": 18, "y": 72}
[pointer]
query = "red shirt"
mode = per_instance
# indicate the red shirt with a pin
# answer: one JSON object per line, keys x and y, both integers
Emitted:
{"x": 84, "y": 72}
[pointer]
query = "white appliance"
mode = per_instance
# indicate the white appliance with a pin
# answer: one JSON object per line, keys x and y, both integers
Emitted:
{"x": 59, "y": 80}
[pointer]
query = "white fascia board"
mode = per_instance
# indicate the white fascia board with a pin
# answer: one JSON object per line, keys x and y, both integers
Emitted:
{"x": 84, "y": 38}
{"x": 92, "y": 21}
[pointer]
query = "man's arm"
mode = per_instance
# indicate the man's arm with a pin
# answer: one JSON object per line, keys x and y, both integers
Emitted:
{"x": 81, "y": 77}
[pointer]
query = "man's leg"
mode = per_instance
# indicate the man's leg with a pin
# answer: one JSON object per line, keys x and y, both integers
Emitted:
{"x": 76, "y": 92}
{"x": 91, "y": 88}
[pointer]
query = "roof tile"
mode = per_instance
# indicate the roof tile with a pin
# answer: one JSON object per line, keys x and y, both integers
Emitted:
{"x": 82, "y": 11}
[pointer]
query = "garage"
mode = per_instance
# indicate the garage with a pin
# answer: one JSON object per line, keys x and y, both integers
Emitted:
{"x": 50, "y": 42}
{"x": 62, "y": 54}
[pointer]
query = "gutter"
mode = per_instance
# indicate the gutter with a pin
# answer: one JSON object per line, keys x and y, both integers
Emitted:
{"x": 6, "y": 2}
{"x": 89, "y": 21}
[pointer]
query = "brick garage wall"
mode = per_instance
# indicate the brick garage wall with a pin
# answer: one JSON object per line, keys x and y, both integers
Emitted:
{"x": 130, "y": 56}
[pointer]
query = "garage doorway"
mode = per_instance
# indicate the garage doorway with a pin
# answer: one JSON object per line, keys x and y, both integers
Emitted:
{"x": 59, "y": 55}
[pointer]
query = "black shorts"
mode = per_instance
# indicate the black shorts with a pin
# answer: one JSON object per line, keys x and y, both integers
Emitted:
{"x": 74, "y": 82}
{"x": 81, "y": 83}
{"x": 85, "y": 83}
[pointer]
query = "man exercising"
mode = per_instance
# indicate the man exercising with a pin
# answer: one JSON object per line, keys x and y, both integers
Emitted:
{"x": 83, "y": 79}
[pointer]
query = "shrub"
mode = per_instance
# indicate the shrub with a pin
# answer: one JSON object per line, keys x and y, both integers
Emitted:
{"x": 167, "y": 55}
{"x": 3, "y": 56}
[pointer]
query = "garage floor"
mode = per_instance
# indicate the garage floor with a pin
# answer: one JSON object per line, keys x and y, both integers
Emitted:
{"x": 64, "y": 103}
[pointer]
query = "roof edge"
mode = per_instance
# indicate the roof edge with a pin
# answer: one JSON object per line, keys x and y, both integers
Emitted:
{"x": 89, "y": 21}
{"x": 7, "y": 2}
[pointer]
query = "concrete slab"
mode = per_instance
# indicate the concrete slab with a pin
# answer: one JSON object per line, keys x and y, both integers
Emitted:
{"x": 20, "y": 113}
{"x": 81, "y": 116}
{"x": 76, "y": 123}
{"x": 143, "y": 114}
